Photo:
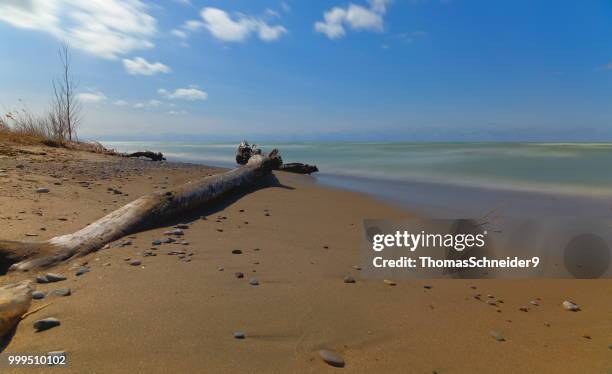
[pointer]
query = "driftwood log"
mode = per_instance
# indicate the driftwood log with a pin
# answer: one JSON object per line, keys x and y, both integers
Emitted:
{"x": 153, "y": 156}
{"x": 245, "y": 151}
{"x": 15, "y": 300}
{"x": 137, "y": 215}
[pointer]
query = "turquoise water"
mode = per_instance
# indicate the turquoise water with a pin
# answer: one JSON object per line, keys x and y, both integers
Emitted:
{"x": 568, "y": 168}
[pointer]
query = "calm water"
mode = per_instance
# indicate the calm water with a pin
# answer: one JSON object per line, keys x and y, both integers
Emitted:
{"x": 480, "y": 174}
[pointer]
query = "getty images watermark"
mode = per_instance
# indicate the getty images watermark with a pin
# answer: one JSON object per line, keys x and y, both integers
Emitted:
{"x": 467, "y": 248}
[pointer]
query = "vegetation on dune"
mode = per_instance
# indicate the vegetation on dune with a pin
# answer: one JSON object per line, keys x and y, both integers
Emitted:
{"x": 58, "y": 126}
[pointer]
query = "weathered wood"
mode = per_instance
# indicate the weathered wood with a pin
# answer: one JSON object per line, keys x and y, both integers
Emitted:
{"x": 137, "y": 215}
{"x": 154, "y": 156}
{"x": 299, "y": 168}
{"x": 245, "y": 151}
{"x": 15, "y": 300}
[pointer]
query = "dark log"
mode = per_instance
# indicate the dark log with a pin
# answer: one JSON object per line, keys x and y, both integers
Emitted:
{"x": 296, "y": 167}
{"x": 154, "y": 156}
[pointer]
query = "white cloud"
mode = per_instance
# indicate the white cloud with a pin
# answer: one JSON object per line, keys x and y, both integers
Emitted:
{"x": 140, "y": 66}
{"x": 193, "y": 25}
{"x": 91, "y": 97}
{"x": 107, "y": 29}
{"x": 121, "y": 103}
{"x": 183, "y": 2}
{"x": 148, "y": 104}
{"x": 179, "y": 33}
{"x": 237, "y": 29}
{"x": 176, "y": 112}
{"x": 190, "y": 94}
{"x": 356, "y": 17}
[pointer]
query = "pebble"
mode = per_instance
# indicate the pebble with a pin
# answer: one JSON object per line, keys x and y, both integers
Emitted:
{"x": 61, "y": 292}
{"x": 82, "y": 270}
{"x": 239, "y": 275}
{"x": 349, "y": 279}
{"x": 135, "y": 262}
{"x": 182, "y": 226}
{"x": 168, "y": 240}
{"x": 177, "y": 232}
{"x": 42, "y": 190}
{"x": 156, "y": 242}
{"x": 524, "y": 309}
{"x": 427, "y": 287}
{"x": 239, "y": 335}
{"x": 389, "y": 282}
{"x": 46, "y": 324}
{"x": 331, "y": 358}
{"x": 37, "y": 295}
{"x": 497, "y": 336}
{"x": 236, "y": 252}
{"x": 534, "y": 302}
{"x": 571, "y": 306}
{"x": 254, "y": 282}
{"x": 41, "y": 279}
{"x": 220, "y": 268}
{"x": 53, "y": 277}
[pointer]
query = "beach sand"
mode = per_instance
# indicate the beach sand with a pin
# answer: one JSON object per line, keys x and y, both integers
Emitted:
{"x": 299, "y": 240}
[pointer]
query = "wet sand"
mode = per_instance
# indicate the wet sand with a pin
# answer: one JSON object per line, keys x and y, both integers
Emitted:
{"x": 299, "y": 240}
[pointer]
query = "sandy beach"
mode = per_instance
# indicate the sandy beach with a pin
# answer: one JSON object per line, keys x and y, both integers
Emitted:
{"x": 179, "y": 308}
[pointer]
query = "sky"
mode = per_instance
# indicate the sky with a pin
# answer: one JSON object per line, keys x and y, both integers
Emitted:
{"x": 360, "y": 70}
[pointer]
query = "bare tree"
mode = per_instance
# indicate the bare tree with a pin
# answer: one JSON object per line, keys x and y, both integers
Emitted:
{"x": 65, "y": 107}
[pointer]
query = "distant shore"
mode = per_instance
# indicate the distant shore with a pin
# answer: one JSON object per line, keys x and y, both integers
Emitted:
{"x": 273, "y": 264}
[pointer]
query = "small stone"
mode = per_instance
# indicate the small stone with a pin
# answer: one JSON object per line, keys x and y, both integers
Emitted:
{"x": 571, "y": 306}
{"x": 42, "y": 279}
{"x": 156, "y": 242}
{"x": 254, "y": 282}
{"x": 389, "y": 282}
{"x": 524, "y": 309}
{"x": 239, "y": 275}
{"x": 42, "y": 190}
{"x": 427, "y": 287}
{"x": 177, "y": 232}
{"x": 82, "y": 270}
{"x": 491, "y": 302}
{"x": 587, "y": 336}
{"x": 182, "y": 226}
{"x": 497, "y": 336}
{"x": 61, "y": 292}
{"x": 357, "y": 267}
{"x": 534, "y": 302}
{"x": 239, "y": 335}
{"x": 332, "y": 358}
{"x": 168, "y": 240}
{"x": 37, "y": 295}
{"x": 349, "y": 279}
{"x": 53, "y": 277}
{"x": 220, "y": 268}
{"x": 46, "y": 324}
{"x": 135, "y": 262}
{"x": 236, "y": 252}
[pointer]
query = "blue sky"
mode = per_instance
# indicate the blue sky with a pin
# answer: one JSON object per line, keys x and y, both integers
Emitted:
{"x": 330, "y": 69}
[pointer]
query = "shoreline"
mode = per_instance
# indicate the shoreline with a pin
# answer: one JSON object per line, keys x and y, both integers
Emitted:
{"x": 176, "y": 311}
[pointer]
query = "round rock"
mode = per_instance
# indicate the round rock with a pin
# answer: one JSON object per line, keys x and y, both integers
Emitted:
{"x": 332, "y": 358}
{"x": 254, "y": 282}
{"x": 37, "y": 295}
{"x": 239, "y": 335}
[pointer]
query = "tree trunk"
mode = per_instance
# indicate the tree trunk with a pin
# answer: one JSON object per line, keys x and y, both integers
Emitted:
{"x": 137, "y": 215}
{"x": 148, "y": 154}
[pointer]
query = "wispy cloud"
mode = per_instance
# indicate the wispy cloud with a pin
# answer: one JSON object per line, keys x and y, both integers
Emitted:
{"x": 356, "y": 17}
{"x": 91, "y": 97}
{"x": 191, "y": 94}
{"x": 120, "y": 103}
{"x": 106, "y": 29}
{"x": 140, "y": 66}
{"x": 148, "y": 104}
